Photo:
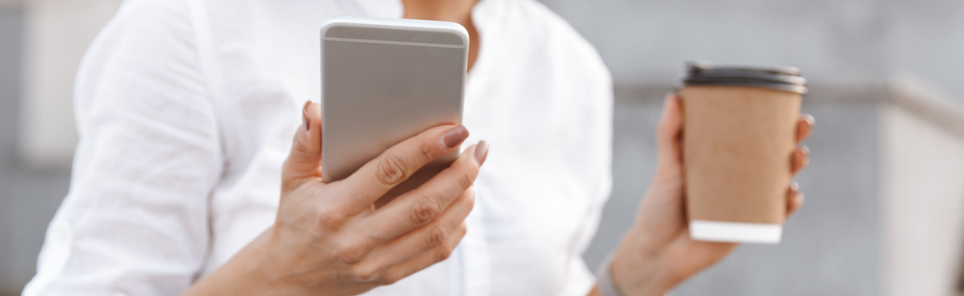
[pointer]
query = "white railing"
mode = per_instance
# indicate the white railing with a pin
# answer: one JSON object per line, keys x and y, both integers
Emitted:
{"x": 922, "y": 186}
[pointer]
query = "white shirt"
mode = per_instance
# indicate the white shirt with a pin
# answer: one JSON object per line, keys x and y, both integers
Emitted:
{"x": 186, "y": 110}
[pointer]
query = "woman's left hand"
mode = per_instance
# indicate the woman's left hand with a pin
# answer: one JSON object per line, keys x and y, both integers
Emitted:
{"x": 657, "y": 253}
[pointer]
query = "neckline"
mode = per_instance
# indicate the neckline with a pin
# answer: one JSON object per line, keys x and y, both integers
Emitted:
{"x": 480, "y": 19}
{"x": 373, "y": 8}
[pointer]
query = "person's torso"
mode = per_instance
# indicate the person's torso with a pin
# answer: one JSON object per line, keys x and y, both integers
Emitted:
{"x": 523, "y": 96}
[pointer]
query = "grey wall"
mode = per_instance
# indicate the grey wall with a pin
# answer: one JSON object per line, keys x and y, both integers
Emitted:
{"x": 833, "y": 41}
{"x": 28, "y": 198}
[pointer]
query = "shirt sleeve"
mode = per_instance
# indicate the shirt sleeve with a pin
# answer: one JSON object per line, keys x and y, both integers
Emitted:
{"x": 135, "y": 221}
{"x": 595, "y": 117}
{"x": 598, "y": 121}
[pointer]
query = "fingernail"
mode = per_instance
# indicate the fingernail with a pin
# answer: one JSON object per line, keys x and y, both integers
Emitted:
{"x": 805, "y": 150}
{"x": 481, "y": 152}
{"x": 809, "y": 118}
{"x": 455, "y": 136}
{"x": 304, "y": 116}
{"x": 795, "y": 187}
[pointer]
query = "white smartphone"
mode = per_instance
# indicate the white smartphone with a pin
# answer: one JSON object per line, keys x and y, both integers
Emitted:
{"x": 384, "y": 81}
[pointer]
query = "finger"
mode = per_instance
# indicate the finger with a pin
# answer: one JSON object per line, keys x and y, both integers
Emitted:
{"x": 794, "y": 198}
{"x": 800, "y": 159}
{"x": 422, "y": 239}
{"x": 304, "y": 160}
{"x": 422, "y": 205}
{"x": 425, "y": 259}
{"x": 668, "y": 131}
{"x": 399, "y": 162}
{"x": 804, "y": 127}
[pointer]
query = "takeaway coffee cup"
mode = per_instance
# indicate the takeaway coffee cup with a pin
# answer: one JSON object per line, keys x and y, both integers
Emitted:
{"x": 739, "y": 135}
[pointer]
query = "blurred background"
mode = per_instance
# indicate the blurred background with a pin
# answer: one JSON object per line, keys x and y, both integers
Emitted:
{"x": 885, "y": 188}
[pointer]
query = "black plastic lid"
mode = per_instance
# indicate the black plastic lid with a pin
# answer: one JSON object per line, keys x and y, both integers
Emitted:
{"x": 778, "y": 78}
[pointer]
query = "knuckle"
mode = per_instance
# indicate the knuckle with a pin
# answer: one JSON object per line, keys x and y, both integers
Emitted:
{"x": 470, "y": 199}
{"x": 390, "y": 171}
{"x": 465, "y": 203}
{"x": 390, "y": 278}
{"x": 300, "y": 144}
{"x": 366, "y": 273}
{"x": 424, "y": 210}
{"x": 436, "y": 237}
{"x": 429, "y": 151}
{"x": 350, "y": 252}
{"x": 330, "y": 219}
{"x": 443, "y": 253}
{"x": 288, "y": 185}
{"x": 466, "y": 178}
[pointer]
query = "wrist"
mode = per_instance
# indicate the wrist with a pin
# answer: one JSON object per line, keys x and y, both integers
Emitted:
{"x": 241, "y": 275}
{"x": 637, "y": 269}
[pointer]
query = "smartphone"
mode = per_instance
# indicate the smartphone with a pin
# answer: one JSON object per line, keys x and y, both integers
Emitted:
{"x": 384, "y": 81}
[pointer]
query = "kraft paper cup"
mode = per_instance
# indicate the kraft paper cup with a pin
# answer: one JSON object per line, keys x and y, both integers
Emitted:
{"x": 738, "y": 138}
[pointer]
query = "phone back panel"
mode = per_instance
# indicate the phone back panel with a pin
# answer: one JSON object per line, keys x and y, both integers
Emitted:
{"x": 386, "y": 80}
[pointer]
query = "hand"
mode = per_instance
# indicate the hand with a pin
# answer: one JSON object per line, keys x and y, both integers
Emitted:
{"x": 330, "y": 239}
{"x": 658, "y": 253}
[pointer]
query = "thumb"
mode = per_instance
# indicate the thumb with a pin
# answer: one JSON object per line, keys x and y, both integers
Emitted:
{"x": 669, "y": 132}
{"x": 304, "y": 160}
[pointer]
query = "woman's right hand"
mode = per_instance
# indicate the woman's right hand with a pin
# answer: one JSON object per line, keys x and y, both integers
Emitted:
{"x": 330, "y": 239}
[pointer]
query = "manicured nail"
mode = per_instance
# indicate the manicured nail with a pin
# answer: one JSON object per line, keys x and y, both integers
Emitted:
{"x": 809, "y": 118}
{"x": 795, "y": 187}
{"x": 805, "y": 150}
{"x": 455, "y": 136}
{"x": 304, "y": 116}
{"x": 481, "y": 152}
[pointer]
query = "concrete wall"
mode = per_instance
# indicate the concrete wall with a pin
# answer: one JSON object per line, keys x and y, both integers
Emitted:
{"x": 41, "y": 43}
{"x": 58, "y": 33}
{"x": 28, "y": 196}
{"x": 833, "y": 41}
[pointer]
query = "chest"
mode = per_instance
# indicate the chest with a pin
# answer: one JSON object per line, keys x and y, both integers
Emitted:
{"x": 524, "y": 105}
